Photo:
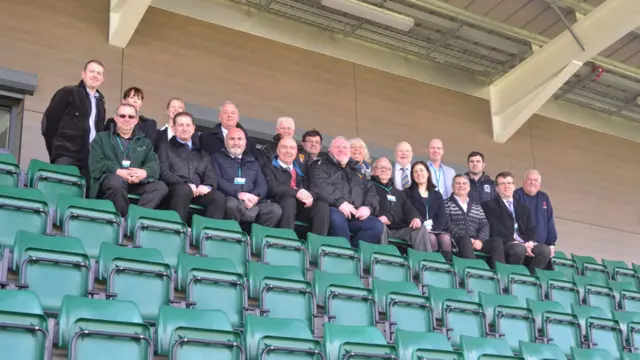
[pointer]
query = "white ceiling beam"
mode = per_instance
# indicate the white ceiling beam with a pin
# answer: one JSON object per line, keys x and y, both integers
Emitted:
{"x": 521, "y": 92}
{"x": 124, "y": 17}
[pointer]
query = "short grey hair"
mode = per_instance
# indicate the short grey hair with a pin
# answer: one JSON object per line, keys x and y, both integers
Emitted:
{"x": 285, "y": 118}
{"x": 460, "y": 176}
{"x": 227, "y": 103}
{"x": 532, "y": 171}
{"x": 338, "y": 138}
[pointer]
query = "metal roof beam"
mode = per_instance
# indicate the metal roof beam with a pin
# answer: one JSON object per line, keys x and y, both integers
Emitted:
{"x": 124, "y": 17}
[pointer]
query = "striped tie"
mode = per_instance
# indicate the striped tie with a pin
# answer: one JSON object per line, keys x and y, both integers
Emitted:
{"x": 405, "y": 179}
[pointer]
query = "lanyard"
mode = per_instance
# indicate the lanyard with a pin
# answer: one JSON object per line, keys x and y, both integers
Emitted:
{"x": 426, "y": 217}
{"x": 438, "y": 175}
{"x": 240, "y": 171}
{"x": 125, "y": 152}
{"x": 388, "y": 190}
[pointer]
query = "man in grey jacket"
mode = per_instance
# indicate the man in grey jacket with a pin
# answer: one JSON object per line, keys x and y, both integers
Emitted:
{"x": 441, "y": 175}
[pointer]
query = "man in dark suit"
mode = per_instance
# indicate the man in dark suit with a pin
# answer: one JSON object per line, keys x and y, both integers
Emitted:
{"x": 511, "y": 222}
{"x": 213, "y": 142}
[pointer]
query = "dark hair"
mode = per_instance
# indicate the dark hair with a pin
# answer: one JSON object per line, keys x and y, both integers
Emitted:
{"x": 93, "y": 61}
{"x": 504, "y": 174}
{"x": 183, "y": 113}
{"x": 430, "y": 185}
{"x": 135, "y": 91}
{"x": 311, "y": 133}
{"x": 474, "y": 154}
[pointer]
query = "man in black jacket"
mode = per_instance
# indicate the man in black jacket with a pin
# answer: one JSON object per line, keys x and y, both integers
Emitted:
{"x": 510, "y": 221}
{"x": 73, "y": 118}
{"x": 287, "y": 183}
{"x": 188, "y": 172}
{"x": 147, "y": 126}
{"x": 213, "y": 142}
{"x": 241, "y": 180}
{"x": 350, "y": 195}
{"x": 482, "y": 187}
{"x": 400, "y": 218}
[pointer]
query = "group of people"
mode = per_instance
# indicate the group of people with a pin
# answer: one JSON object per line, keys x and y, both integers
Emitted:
{"x": 338, "y": 193}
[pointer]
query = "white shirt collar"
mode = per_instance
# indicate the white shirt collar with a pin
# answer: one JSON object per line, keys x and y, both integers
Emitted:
{"x": 399, "y": 167}
{"x": 224, "y": 132}
{"x": 460, "y": 201}
{"x": 285, "y": 165}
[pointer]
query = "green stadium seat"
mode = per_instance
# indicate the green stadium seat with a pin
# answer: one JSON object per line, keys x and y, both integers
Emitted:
{"x": 630, "y": 324}
{"x": 590, "y": 354}
{"x": 589, "y": 266}
{"x": 221, "y": 238}
{"x": 485, "y": 348}
{"x": 629, "y": 300}
{"x": 509, "y": 319}
{"x": 630, "y": 356}
{"x": 620, "y": 271}
{"x": 345, "y": 300}
{"x": 138, "y": 276}
{"x": 517, "y": 280}
{"x": 197, "y": 334}
{"x": 557, "y": 287}
{"x": 384, "y": 262}
{"x": 100, "y": 329}
{"x": 583, "y": 312}
{"x": 476, "y": 276}
{"x": 10, "y": 174}
{"x": 55, "y": 180}
{"x": 431, "y": 269}
{"x": 459, "y": 314}
{"x": 414, "y": 345}
{"x": 22, "y": 209}
{"x": 620, "y": 287}
{"x": 93, "y": 221}
{"x": 52, "y": 267}
{"x": 213, "y": 284}
{"x": 557, "y": 326}
{"x": 158, "y": 229}
{"x": 533, "y": 351}
{"x": 594, "y": 292}
{"x": 404, "y": 306}
{"x": 600, "y": 332}
{"x": 560, "y": 255}
{"x": 282, "y": 293}
{"x": 560, "y": 262}
{"x": 273, "y": 338}
{"x": 333, "y": 254}
{"x": 24, "y": 333}
{"x": 279, "y": 247}
{"x": 357, "y": 341}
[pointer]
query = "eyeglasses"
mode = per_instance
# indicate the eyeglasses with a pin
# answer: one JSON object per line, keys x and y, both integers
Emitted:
{"x": 505, "y": 183}
{"x": 383, "y": 168}
{"x": 127, "y": 116}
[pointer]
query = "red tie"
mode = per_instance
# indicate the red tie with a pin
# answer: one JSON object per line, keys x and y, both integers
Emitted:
{"x": 293, "y": 177}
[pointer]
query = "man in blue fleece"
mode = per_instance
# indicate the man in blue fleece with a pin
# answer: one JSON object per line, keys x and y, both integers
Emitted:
{"x": 540, "y": 206}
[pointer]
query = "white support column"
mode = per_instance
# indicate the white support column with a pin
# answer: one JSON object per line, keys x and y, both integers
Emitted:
{"x": 124, "y": 17}
{"x": 521, "y": 92}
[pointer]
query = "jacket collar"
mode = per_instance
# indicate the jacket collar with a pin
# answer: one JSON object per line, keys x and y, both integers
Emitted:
{"x": 246, "y": 156}
{"x": 376, "y": 180}
{"x": 195, "y": 143}
{"x": 483, "y": 177}
{"x": 276, "y": 164}
{"x": 84, "y": 86}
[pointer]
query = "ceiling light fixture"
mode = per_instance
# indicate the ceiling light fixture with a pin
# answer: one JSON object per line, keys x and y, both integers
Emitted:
{"x": 372, "y": 13}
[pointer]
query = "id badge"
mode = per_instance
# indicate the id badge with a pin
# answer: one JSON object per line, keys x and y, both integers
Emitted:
{"x": 126, "y": 164}
{"x": 239, "y": 181}
{"x": 428, "y": 224}
{"x": 391, "y": 198}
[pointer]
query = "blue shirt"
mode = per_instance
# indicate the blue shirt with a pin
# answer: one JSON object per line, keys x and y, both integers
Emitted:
{"x": 188, "y": 143}
{"x": 542, "y": 214}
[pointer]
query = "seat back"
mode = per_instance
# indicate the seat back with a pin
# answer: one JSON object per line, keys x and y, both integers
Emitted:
{"x": 260, "y": 233}
{"x": 534, "y": 351}
{"x": 346, "y": 301}
{"x": 361, "y": 341}
{"x": 9, "y": 171}
{"x": 558, "y": 327}
{"x": 590, "y": 354}
{"x": 333, "y": 254}
{"x": 460, "y": 316}
{"x": 405, "y": 307}
{"x": 628, "y": 321}
{"x": 475, "y": 276}
{"x": 513, "y": 322}
{"x": 605, "y": 334}
{"x": 596, "y": 293}
{"x": 589, "y": 266}
{"x": 517, "y": 280}
{"x": 559, "y": 288}
{"x": 620, "y": 271}
{"x": 21, "y": 209}
{"x": 565, "y": 265}
{"x": 584, "y": 312}
{"x": 23, "y": 326}
{"x": 55, "y": 180}
{"x": 273, "y": 338}
{"x": 384, "y": 262}
{"x": 484, "y": 348}
{"x": 221, "y": 238}
{"x": 414, "y": 345}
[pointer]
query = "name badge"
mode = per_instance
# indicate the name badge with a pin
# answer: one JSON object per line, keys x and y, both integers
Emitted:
{"x": 391, "y": 198}
{"x": 126, "y": 164}
{"x": 239, "y": 181}
{"x": 428, "y": 224}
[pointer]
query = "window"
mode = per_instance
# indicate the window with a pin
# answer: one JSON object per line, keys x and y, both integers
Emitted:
{"x": 5, "y": 121}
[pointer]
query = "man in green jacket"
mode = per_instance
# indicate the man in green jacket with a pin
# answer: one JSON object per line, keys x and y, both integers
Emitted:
{"x": 122, "y": 161}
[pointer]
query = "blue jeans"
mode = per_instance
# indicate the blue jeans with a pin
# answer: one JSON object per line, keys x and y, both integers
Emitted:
{"x": 368, "y": 230}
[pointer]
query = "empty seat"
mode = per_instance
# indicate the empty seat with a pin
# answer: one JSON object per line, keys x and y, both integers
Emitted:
{"x": 620, "y": 271}
{"x": 197, "y": 334}
{"x": 138, "y": 276}
{"x": 23, "y": 327}
{"x": 384, "y": 262}
{"x": 533, "y": 351}
{"x": 21, "y": 209}
{"x": 52, "y": 267}
{"x": 55, "y": 180}
{"x": 589, "y": 266}
{"x": 333, "y": 254}
{"x": 221, "y": 238}
{"x": 414, "y": 345}
{"x": 432, "y": 269}
{"x": 475, "y": 276}
{"x": 583, "y": 312}
{"x": 626, "y": 288}
{"x": 630, "y": 325}
{"x": 282, "y": 292}
{"x": 560, "y": 262}
{"x": 590, "y": 354}
{"x": 596, "y": 293}
{"x": 485, "y": 348}
{"x": 93, "y": 221}
{"x": 599, "y": 331}
{"x": 517, "y": 280}
{"x": 557, "y": 326}
{"x": 158, "y": 229}
{"x": 99, "y": 329}
{"x": 273, "y": 338}
{"x": 9, "y": 171}
{"x": 357, "y": 341}
{"x": 557, "y": 287}
{"x": 405, "y": 307}
{"x": 346, "y": 301}
{"x": 213, "y": 284}
{"x": 509, "y": 319}
{"x": 459, "y": 314}
{"x": 279, "y": 247}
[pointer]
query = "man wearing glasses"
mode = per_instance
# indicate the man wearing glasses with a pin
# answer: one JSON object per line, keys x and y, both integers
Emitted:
{"x": 123, "y": 162}
{"x": 511, "y": 222}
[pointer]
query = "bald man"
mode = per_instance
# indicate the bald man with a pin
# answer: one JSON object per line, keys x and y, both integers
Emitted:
{"x": 241, "y": 180}
{"x": 441, "y": 175}
{"x": 287, "y": 183}
{"x": 402, "y": 168}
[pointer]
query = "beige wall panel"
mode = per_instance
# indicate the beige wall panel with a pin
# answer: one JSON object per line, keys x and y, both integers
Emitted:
{"x": 597, "y": 241}
{"x": 208, "y": 64}
{"x": 392, "y": 108}
{"x": 32, "y": 142}
{"x": 54, "y": 39}
{"x": 589, "y": 175}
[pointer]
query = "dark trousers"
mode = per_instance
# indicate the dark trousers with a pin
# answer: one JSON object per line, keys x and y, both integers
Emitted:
{"x": 368, "y": 230}
{"x": 117, "y": 189}
{"x": 82, "y": 166}
{"x": 494, "y": 247}
{"x": 465, "y": 248}
{"x": 317, "y": 214}
{"x": 181, "y": 196}
{"x": 516, "y": 253}
{"x": 264, "y": 213}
